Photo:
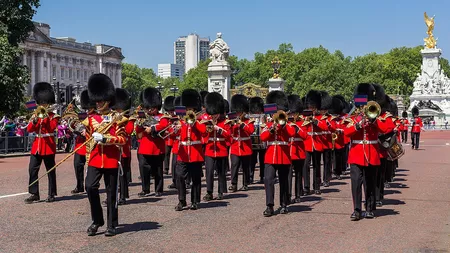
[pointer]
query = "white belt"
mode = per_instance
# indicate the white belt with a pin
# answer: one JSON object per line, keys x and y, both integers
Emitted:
{"x": 326, "y": 132}
{"x": 189, "y": 143}
{"x": 217, "y": 139}
{"x": 44, "y": 135}
{"x": 296, "y": 139}
{"x": 270, "y": 143}
{"x": 364, "y": 142}
{"x": 241, "y": 138}
{"x": 315, "y": 133}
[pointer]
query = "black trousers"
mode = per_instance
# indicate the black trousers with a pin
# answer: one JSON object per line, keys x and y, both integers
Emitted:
{"x": 361, "y": 175}
{"x": 381, "y": 176}
{"x": 218, "y": 164}
{"x": 174, "y": 169}
{"x": 78, "y": 163}
{"x": 326, "y": 165}
{"x": 167, "y": 158}
{"x": 123, "y": 179}
{"x": 313, "y": 157}
{"x": 390, "y": 171}
{"x": 152, "y": 165}
{"x": 258, "y": 155}
{"x": 415, "y": 140}
{"x": 33, "y": 169}
{"x": 110, "y": 177}
{"x": 195, "y": 171}
{"x": 297, "y": 170}
{"x": 236, "y": 162}
{"x": 339, "y": 161}
{"x": 404, "y": 136}
{"x": 269, "y": 183}
{"x": 346, "y": 150}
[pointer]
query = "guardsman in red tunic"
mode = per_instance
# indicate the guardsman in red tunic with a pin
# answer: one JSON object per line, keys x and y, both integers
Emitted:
{"x": 364, "y": 154}
{"x": 44, "y": 147}
{"x": 297, "y": 147}
{"x": 123, "y": 104}
{"x": 241, "y": 143}
{"x": 391, "y": 165}
{"x": 314, "y": 126}
{"x": 152, "y": 147}
{"x": 175, "y": 146}
{"x": 104, "y": 154}
{"x": 416, "y": 126}
{"x": 79, "y": 159}
{"x": 169, "y": 110}
{"x": 190, "y": 153}
{"x": 256, "y": 105}
{"x": 326, "y": 138}
{"x": 404, "y": 126}
{"x": 277, "y": 135}
{"x": 216, "y": 152}
{"x": 338, "y": 140}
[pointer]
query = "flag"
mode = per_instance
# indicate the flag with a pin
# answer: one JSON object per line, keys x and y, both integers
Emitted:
{"x": 360, "y": 100}
{"x": 270, "y": 108}
{"x": 231, "y": 115}
{"x": 31, "y": 105}
{"x": 180, "y": 110}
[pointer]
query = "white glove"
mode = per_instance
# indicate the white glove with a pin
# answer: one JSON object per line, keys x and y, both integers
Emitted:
{"x": 98, "y": 137}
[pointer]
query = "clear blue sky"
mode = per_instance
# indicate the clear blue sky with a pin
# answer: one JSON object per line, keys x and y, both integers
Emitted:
{"x": 146, "y": 29}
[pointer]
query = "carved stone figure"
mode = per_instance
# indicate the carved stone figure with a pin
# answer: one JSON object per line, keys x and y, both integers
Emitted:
{"x": 218, "y": 49}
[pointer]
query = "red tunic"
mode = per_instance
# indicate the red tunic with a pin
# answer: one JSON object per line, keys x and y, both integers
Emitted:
{"x": 105, "y": 155}
{"x": 44, "y": 142}
{"x": 313, "y": 142}
{"x": 126, "y": 149}
{"x": 241, "y": 143}
{"x": 364, "y": 149}
{"x": 217, "y": 141}
{"x": 336, "y": 127}
{"x": 386, "y": 119}
{"x": 78, "y": 142}
{"x": 190, "y": 143}
{"x": 297, "y": 145}
{"x": 416, "y": 125}
{"x": 278, "y": 151}
{"x": 326, "y": 135}
{"x": 151, "y": 145}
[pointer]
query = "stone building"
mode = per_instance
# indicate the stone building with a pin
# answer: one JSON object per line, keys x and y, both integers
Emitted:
{"x": 67, "y": 61}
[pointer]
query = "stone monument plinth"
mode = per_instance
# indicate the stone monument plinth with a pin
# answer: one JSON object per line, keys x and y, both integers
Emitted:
{"x": 276, "y": 84}
{"x": 219, "y": 70}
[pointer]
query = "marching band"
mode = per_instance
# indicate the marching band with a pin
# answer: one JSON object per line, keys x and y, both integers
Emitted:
{"x": 286, "y": 135}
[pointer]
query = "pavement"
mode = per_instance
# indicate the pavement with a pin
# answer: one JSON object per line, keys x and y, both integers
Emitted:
{"x": 415, "y": 216}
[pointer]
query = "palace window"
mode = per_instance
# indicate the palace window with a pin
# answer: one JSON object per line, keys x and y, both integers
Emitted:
{"x": 70, "y": 73}
{"x": 78, "y": 74}
{"x": 62, "y": 72}
{"x": 54, "y": 71}
{"x": 85, "y": 75}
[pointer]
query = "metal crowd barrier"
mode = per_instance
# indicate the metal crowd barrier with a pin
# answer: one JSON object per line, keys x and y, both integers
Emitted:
{"x": 13, "y": 144}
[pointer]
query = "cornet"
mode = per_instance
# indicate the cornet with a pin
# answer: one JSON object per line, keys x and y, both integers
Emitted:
{"x": 190, "y": 117}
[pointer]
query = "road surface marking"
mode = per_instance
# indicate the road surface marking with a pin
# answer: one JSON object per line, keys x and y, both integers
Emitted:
{"x": 13, "y": 195}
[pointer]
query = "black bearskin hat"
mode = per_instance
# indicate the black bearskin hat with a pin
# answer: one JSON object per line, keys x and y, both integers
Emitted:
{"x": 405, "y": 114}
{"x": 374, "y": 92}
{"x": 151, "y": 98}
{"x": 191, "y": 99}
{"x": 168, "y": 104}
{"x": 415, "y": 111}
{"x": 43, "y": 93}
{"x": 177, "y": 101}
{"x": 326, "y": 101}
{"x": 380, "y": 97}
{"x": 386, "y": 105}
{"x": 295, "y": 103}
{"x": 226, "y": 106}
{"x": 256, "y": 105}
{"x": 214, "y": 103}
{"x": 279, "y": 98}
{"x": 85, "y": 102}
{"x": 101, "y": 88}
{"x": 239, "y": 103}
{"x": 313, "y": 99}
{"x": 393, "y": 109}
{"x": 123, "y": 100}
{"x": 203, "y": 94}
{"x": 337, "y": 105}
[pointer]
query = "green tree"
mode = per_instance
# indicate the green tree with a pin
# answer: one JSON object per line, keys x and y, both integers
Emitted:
{"x": 132, "y": 81}
{"x": 16, "y": 19}
{"x": 196, "y": 78}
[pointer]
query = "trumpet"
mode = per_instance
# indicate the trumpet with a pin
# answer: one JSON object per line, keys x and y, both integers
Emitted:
{"x": 190, "y": 117}
{"x": 334, "y": 137}
{"x": 279, "y": 118}
{"x": 372, "y": 110}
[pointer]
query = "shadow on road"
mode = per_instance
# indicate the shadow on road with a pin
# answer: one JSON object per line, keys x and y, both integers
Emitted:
{"x": 398, "y": 185}
{"x": 387, "y": 192}
{"x": 213, "y": 204}
{"x": 400, "y": 175}
{"x": 329, "y": 190}
{"x": 138, "y": 226}
{"x": 235, "y": 196}
{"x": 299, "y": 208}
{"x": 254, "y": 187}
{"x": 393, "y": 202}
{"x": 72, "y": 197}
{"x": 143, "y": 200}
{"x": 399, "y": 179}
{"x": 311, "y": 198}
{"x": 400, "y": 170}
{"x": 385, "y": 212}
{"x": 337, "y": 183}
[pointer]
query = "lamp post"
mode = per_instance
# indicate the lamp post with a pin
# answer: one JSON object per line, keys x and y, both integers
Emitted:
{"x": 160, "y": 87}
{"x": 78, "y": 87}
{"x": 174, "y": 89}
{"x": 58, "y": 95}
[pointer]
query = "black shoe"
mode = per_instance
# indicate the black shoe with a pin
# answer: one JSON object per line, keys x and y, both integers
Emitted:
{"x": 75, "y": 191}
{"x": 244, "y": 188}
{"x": 32, "y": 198}
{"x": 369, "y": 215}
{"x": 110, "y": 231}
{"x": 143, "y": 194}
{"x": 122, "y": 202}
{"x": 172, "y": 186}
{"x": 338, "y": 177}
{"x": 412, "y": 146}
{"x": 379, "y": 204}
{"x": 92, "y": 229}
{"x": 387, "y": 185}
{"x": 194, "y": 206}
{"x": 166, "y": 172}
{"x": 208, "y": 197}
{"x": 326, "y": 184}
{"x": 306, "y": 193}
{"x": 233, "y": 188}
{"x": 268, "y": 212}
{"x": 188, "y": 186}
{"x": 284, "y": 210}
{"x": 296, "y": 200}
{"x": 50, "y": 199}
{"x": 317, "y": 192}
{"x": 261, "y": 181}
{"x": 220, "y": 196}
{"x": 158, "y": 194}
{"x": 180, "y": 206}
{"x": 356, "y": 215}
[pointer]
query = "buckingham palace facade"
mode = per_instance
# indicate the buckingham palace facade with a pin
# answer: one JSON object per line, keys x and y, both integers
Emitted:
{"x": 68, "y": 62}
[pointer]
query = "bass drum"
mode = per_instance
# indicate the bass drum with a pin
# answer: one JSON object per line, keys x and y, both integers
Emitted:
{"x": 390, "y": 144}
{"x": 259, "y": 122}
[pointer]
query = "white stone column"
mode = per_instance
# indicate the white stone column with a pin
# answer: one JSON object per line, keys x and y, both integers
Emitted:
{"x": 33, "y": 68}
{"x": 41, "y": 66}
{"x": 100, "y": 65}
{"x": 49, "y": 66}
{"x": 24, "y": 59}
{"x": 119, "y": 75}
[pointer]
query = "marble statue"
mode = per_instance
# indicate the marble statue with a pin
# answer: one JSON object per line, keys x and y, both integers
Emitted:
{"x": 218, "y": 49}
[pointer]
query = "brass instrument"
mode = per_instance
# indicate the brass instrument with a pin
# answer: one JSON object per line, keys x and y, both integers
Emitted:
{"x": 190, "y": 117}
{"x": 71, "y": 115}
{"x": 334, "y": 137}
{"x": 280, "y": 116}
{"x": 237, "y": 120}
{"x": 163, "y": 134}
{"x": 372, "y": 110}
{"x": 41, "y": 112}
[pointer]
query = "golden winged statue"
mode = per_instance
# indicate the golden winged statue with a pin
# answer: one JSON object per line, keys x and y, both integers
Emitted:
{"x": 430, "y": 42}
